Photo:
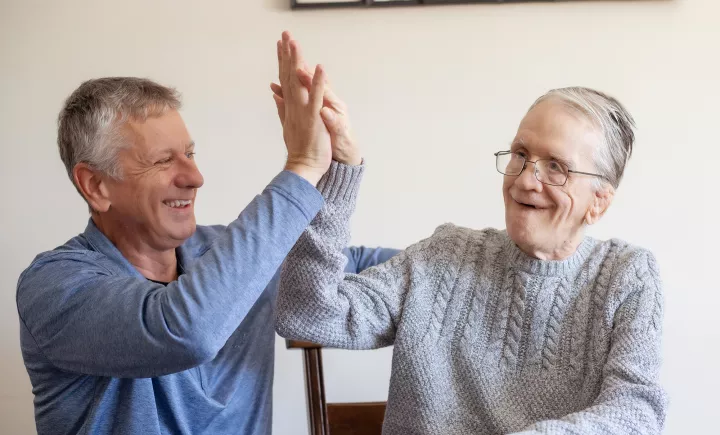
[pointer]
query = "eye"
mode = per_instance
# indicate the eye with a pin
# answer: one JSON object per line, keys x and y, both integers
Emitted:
{"x": 164, "y": 161}
{"x": 190, "y": 154}
{"x": 556, "y": 166}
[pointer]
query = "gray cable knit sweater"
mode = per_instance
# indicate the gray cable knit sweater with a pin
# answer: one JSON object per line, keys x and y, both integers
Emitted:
{"x": 487, "y": 339}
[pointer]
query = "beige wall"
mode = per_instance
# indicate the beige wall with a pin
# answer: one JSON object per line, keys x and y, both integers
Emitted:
{"x": 432, "y": 91}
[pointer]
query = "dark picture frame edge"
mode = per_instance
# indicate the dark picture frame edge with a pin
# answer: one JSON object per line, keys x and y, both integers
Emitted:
{"x": 372, "y": 3}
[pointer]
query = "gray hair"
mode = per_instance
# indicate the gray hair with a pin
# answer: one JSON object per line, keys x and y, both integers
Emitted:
{"x": 615, "y": 127}
{"x": 90, "y": 123}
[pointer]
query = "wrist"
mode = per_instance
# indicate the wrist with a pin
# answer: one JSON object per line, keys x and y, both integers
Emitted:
{"x": 350, "y": 159}
{"x": 312, "y": 174}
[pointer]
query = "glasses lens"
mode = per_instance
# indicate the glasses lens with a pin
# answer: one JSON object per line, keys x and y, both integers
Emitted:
{"x": 552, "y": 172}
{"x": 510, "y": 164}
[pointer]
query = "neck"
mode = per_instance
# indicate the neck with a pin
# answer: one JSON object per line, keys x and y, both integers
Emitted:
{"x": 152, "y": 263}
{"x": 556, "y": 253}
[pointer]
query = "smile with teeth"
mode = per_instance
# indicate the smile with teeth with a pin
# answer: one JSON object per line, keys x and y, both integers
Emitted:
{"x": 177, "y": 203}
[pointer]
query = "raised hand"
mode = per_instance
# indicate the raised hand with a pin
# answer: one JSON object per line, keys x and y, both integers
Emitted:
{"x": 306, "y": 137}
{"x": 334, "y": 115}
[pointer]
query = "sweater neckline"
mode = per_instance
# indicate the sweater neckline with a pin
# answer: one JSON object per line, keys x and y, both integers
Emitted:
{"x": 535, "y": 266}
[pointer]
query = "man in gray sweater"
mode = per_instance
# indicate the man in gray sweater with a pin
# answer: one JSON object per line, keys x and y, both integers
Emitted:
{"x": 536, "y": 329}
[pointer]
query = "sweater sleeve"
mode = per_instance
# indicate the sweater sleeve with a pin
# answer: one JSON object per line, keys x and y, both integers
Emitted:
{"x": 631, "y": 400}
{"x": 319, "y": 302}
{"x": 86, "y": 319}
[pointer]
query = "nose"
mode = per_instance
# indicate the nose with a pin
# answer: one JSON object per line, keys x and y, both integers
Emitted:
{"x": 527, "y": 179}
{"x": 189, "y": 176}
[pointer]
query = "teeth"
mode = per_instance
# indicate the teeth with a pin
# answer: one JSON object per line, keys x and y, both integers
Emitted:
{"x": 178, "y": 203}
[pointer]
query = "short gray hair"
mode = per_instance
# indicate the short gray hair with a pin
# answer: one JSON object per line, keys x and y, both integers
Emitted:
{"x": 615, "y": 126}
{"x": 90, "y": 123}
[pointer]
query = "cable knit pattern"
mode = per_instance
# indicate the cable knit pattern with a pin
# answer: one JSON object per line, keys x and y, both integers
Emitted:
{"x": 487, "y": 339}
{"x": 447, "y": 283}
{"x": 514, "y": 322}
{"x": 554, "y": 325}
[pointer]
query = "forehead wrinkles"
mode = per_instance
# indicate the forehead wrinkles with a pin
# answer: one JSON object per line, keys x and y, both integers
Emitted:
{"x": 568, "y": 135}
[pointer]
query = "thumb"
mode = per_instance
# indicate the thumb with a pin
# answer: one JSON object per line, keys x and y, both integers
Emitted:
{"x": 280, "y": 104}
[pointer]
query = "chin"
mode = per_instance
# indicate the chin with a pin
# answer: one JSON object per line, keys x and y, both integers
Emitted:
{"x": 519, "y": 237}
{"x": 180, "y": 233}
{"x": 521, "y": 234}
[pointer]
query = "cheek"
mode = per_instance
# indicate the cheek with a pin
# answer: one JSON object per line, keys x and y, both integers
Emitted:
{"x": 152, "y": 190}
{"x": 507, "y": 184}
{"x": 563, "y": 201}
{"x": 124, "y": 194}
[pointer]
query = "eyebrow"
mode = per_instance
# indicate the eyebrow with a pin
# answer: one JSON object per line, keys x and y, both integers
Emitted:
{"x": 520, "y": 142}
{"x": 167, "y": 151}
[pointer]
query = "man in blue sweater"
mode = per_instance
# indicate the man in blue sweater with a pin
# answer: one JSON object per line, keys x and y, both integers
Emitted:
{"x": 146, "y": 323}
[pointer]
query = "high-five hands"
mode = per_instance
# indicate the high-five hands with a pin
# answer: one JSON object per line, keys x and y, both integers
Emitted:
{"x": 312, "y": 116}
{"x": 306, "y": 137}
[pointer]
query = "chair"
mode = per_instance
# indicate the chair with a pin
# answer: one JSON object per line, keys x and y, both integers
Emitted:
{"x": 364, "y": 418}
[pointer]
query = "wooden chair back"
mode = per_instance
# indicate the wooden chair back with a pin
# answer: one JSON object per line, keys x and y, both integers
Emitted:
{"x": 363, "y": 418}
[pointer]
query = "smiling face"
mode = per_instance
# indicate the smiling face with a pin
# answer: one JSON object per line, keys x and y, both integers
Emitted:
{"x": 546, "y": 221}
{"x": 155, "y": 199}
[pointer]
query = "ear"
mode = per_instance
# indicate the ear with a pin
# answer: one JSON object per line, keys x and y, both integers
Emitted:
{"x": 92, "y": 186}
{"x": 601, "y": 202}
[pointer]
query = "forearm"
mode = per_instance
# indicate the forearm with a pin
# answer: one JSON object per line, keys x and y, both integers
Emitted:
{"x": 122, "y": 326}
{"x": 317, "y": 300}
{"x": 227, "y": 280}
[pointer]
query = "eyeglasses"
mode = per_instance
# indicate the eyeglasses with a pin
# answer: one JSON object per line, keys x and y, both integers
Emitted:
{"x": 547, "y": 171}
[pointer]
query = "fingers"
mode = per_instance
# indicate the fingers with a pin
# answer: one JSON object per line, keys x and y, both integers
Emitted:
{"x": 279, "y": 58}
{"x": 296, "y": 59}
{"x": 277, "y": 89}
{"x": 305, "y": 77}
{"x": 283, "y": 74}
{"x": 317, "y": 89}
{"x": 292, "y": 60}
{"x": 287, "y": 76}
{"x": 286, "y": 38}
{"x": 280, "y": 104}
{"x": 284, "y": 57}
{"x": 330, "y": 98}
{"x": 294, "y": 86}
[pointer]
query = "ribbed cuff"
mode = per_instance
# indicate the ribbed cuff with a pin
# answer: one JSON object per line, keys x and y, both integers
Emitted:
{"x": 341, "y": 182}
